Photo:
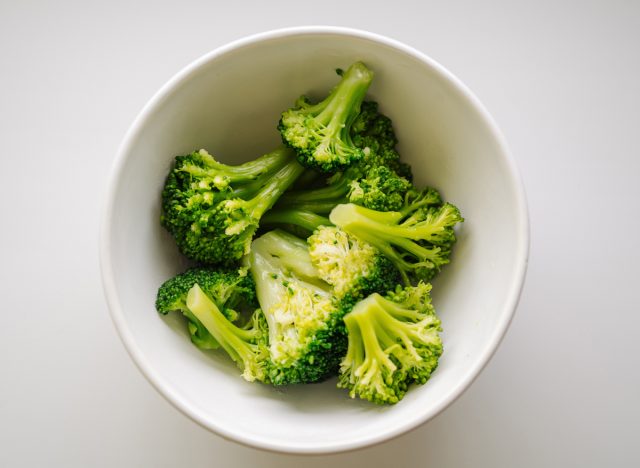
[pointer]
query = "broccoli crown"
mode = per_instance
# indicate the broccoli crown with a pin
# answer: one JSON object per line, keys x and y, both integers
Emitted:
{"x": 353, "y": 267}
{"x": 321, "y": 133}
{"x": 213, "y": 210}
{"x": 393, "y": 341}
{"x": 306, "y": 333}
{"x": 417, "y": 239}
{"x": 381, "y": 189}
{"x": 233, "y": 292}
{"x": 373, "y": 126}
{"x": 373, "y": 132}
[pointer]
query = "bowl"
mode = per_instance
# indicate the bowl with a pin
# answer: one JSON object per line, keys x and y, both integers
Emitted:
{"x": 229, "y": 102}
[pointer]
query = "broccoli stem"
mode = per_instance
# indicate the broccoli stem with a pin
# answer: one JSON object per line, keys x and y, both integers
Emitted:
{"x": 235, "y": 341}
{"x": 305, "y": 219}
{"x": 336, "y": 192}
{"x": 347, "y": 95}
{"x": 367, "y": 318}
{"x": 275, "y": 187}
{"x": 243, "y": 172}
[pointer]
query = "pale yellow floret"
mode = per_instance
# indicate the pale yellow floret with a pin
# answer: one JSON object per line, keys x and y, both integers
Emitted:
{"x": 296, "y": 319}
{"x": 341, "y": 259}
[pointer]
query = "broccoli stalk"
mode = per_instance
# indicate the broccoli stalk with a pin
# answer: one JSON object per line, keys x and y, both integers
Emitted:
{"x": 293, "y": 218}
{"x": 213, "y": 210}
{"x": 246, "y": 346}
{"x": 418, "y": 241}
{"x": 320, "y": 133}
{"x": 393, "y": 341}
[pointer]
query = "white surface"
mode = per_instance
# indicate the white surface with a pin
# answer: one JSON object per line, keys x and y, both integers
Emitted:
{"x": 560, "y": 79}
{"x": 450, "y": 142}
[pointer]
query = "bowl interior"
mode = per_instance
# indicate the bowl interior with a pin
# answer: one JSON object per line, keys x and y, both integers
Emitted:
{"x": 229, "y": 103}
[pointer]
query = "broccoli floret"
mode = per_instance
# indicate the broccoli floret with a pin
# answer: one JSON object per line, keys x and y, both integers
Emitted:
{"x": 213, "y": 210}
{"x": 378, "y": 181}
{"x": 353, "y": 267}
{"x": 373, "y": 132}
{"x": 382, "y": 190}
{"x": 306, "y": 332}
{"x": 321, "y": 133}
{"x": 212, "y": 300}
{"x": 417, "y": 239}
{"x": 393, "y": 341}
{"x": 372, "y": 128}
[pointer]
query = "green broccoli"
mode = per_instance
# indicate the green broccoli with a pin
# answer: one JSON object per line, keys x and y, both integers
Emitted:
{"x": 393, "y": 341}
{"x": 213, "y": 210}
{"x": 306, "y": 332}
{"x": 353, "y": 267}
{"x": 381, "y": 189}
{"x": 321, "y": 133}
{"x": 212, "y": 300}
{"x": 417, "y": 239}
{"x": 378, "y": 181}
{"x": 373, "y": 132}
{"x": 298, "y": 222}
{"x": 247, "y": 345}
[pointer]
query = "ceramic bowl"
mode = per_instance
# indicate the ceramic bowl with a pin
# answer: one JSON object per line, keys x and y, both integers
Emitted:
{"x": 229, "y": 102}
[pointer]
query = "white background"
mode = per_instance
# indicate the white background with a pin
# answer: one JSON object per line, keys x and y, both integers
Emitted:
{"x": 562, "y": 79}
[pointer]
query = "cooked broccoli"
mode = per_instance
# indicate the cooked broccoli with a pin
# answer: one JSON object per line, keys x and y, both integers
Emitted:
{"x": 378, "y": 181}
{"x": 321, "y": 133}
{"x": 213, "y": 210}
{"x": 417, "y": 239}
{"x": 212, "y": 300}
{"x": 375, "y": 187}
{"x": 353, "y": 267}
{"x": 298, "y": 222}
{"x": 381, "y": 189}
{"x": 393, "y": 341}
{"x": 306, "y": 333}
{"x": 247, "y": 346}
{"x": 373, "y": 132}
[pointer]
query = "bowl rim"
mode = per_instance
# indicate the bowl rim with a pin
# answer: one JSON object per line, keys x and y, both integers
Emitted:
{"x": 178, "y": 401}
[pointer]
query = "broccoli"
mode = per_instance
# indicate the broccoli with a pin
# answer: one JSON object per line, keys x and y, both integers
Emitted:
{"x": 378, "y": 181}
{"x": 213, "y": 210}
{"x": 212, "y": 300}
{"x": 393, "y": 341}
{"x": 373, "y": 132}
{"x": 321, "y": 133}
{"x": 306, "y": 332}
{"x": 353, "y": 267}
{"x": 381, "y": 189}
{"x": 375, "y": 187}
{"x": 417, "y": 239}
{"x": 298, "y": 222}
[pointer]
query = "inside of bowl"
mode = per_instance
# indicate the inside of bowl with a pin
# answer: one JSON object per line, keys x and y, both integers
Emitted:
{"x": 230, "y": 104}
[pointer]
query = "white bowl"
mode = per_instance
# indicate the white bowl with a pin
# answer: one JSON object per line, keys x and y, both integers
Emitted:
{"x": 229, "y": 102}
